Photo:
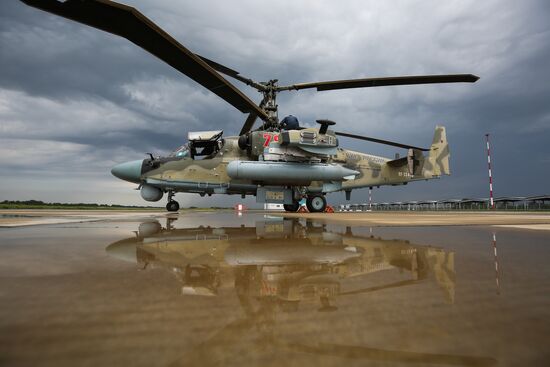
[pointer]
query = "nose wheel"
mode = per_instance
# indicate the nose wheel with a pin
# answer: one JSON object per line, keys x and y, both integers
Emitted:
{"x": 173, "y": 205}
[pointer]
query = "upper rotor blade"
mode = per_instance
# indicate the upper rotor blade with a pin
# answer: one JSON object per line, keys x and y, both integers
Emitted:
{"x": 129, "y": 23}
{"x": 380, "y": 82}
{"x": 219, "y": 67}
{"x": 232, "y": 73}
{"x": 250, "y": 120}
{"x": 380, "y": 141}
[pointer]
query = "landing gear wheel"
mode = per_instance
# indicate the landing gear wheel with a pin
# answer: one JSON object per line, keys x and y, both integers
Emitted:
{"x": 292, "y": 207}
{"x": 172, "y": 206}
{"x": 316, "y": 203}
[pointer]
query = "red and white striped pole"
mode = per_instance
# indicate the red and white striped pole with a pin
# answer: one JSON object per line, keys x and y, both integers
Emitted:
{"x": 492, "y": 203}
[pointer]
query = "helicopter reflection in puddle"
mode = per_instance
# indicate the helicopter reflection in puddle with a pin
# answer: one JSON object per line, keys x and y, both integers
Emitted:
{"x": 284, "y": 261}
{"x": 278, "y": 265}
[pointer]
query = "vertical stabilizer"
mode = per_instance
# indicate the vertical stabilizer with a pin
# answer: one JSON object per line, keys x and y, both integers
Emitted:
{"x": 438, "y": 158}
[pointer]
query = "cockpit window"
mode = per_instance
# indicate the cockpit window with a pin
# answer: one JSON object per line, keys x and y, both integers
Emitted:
{"x": 205, "y": 144}
{"x": 181, "y": 152}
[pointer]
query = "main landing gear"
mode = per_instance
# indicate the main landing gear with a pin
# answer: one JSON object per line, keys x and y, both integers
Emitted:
{"x": 314, "y": 203}
{"x": 173, "y": 205}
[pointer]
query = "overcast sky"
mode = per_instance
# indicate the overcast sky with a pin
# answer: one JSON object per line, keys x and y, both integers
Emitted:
{"x": 75, "y": 101}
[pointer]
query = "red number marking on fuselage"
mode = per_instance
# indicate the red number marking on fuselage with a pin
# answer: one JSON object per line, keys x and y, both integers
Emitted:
{"x": 267, "y": 138}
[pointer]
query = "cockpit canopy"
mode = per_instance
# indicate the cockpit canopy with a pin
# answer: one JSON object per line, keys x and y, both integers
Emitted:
{"x": 204, "y": 135}
{"x": 205, "y": 143}
{"x": 181, "y": 152}
{"x": 201, "y": 144}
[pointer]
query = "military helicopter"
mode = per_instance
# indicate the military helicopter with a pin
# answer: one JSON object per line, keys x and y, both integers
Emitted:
{"x": 278, "y": 162}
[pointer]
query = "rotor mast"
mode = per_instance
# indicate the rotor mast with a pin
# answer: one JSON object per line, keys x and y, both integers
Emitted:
{"x": 269, "y": 102}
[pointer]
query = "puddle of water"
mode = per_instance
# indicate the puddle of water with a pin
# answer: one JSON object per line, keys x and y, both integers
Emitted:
{"x": 217, "y": 289}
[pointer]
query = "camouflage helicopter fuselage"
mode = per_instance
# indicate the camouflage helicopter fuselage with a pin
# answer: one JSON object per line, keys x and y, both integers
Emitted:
{"x": 270, "y": 166}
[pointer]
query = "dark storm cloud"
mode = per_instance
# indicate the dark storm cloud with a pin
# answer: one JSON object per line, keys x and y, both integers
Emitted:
{"x": 48, "y": 56}
{"x": 75, "y": 99}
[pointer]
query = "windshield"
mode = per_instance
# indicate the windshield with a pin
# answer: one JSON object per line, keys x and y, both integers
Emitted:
{"x": 181, "y": 152}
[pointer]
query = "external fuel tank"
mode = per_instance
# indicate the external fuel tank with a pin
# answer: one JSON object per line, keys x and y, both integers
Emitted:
{"x": 288, "y": 172}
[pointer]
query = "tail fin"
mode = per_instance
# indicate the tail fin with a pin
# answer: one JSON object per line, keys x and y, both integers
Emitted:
{"x": 438, "y": 157}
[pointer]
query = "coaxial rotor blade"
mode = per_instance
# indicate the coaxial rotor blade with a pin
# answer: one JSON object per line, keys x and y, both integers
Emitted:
{"x": 232, "y": 73}
{"x": 380, "y": 82}
{"x": 250, "y": 120}
{"x": 380, "y": 141}
{"x": 219, "y": 67}
{"x": 129, "y": 23}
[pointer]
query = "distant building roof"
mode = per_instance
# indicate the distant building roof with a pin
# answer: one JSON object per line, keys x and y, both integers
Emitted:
{"x": 501, "y": 199}
{"x": 539, "y": 198}
{"x": 510, "y": 198}
{"x": 450, "y": 201}
{"x": 474, "y": 200}
{"x": 428, "y": 202}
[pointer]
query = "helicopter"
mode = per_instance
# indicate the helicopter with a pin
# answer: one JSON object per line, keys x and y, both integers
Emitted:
{"x": 279, "y": 161}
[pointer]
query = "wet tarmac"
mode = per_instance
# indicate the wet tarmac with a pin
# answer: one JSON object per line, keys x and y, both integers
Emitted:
{"x": 253, "y": 290}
